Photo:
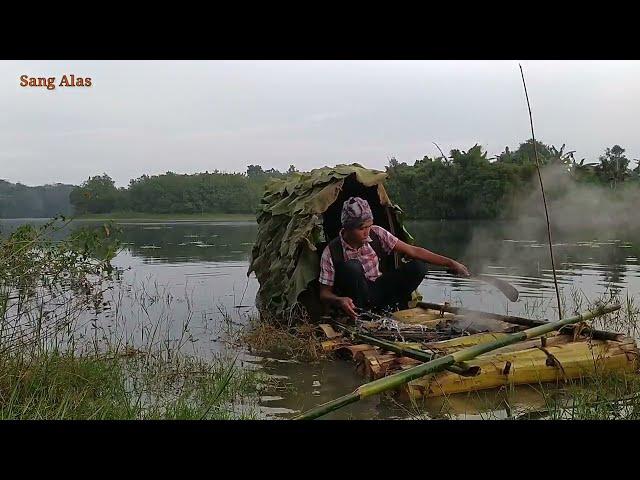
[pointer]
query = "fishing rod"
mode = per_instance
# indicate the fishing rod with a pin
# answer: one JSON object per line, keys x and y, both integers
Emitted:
{"x": 506, "y": 288}
{"x": 544, "y": 199}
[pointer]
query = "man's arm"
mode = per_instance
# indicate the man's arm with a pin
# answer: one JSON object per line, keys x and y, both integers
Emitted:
{"x": 425, "y": 255}
{"x": 344, "y": 303}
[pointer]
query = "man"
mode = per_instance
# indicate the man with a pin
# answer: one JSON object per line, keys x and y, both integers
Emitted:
{"x": 350, "y": 273}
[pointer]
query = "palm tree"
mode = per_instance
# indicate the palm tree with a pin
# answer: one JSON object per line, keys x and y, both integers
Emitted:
{"x": 560, "y": 157}
{"x": 584, "y": 171}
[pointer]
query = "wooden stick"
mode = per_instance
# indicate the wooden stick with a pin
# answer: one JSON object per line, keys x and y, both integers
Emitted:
{"x": 467, "y": 371}
{"x": 525, "y": 322}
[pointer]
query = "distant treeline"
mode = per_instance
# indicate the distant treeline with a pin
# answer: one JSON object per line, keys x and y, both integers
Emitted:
{"x": 462, "y": 185}
{"x": 21, "y": 201}
{"x": 215, "y": 192}
{"x": 468, "y": 185}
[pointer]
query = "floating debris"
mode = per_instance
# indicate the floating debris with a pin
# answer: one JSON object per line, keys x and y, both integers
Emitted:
{"x": 270, "y": 398}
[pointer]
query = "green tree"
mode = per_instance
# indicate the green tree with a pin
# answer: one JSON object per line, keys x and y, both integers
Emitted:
{"x": 525, "y": 154}
{"x": 613, "y": 166}
{"x": 96, "y": 195}
{"x": 255, "y": 171}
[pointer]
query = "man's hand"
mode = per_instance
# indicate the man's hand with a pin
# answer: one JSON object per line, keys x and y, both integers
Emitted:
{"x": 344, "y": 303}
{"x": 348, "y": 306}
{"x": 459, "y": 269}
{"x": 425, "y": 255}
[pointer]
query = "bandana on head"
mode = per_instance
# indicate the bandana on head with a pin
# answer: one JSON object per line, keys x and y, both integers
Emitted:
{"x": 355, "y": 211}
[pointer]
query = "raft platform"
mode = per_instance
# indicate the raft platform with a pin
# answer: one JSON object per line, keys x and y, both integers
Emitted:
{"x": 439, "y": 329}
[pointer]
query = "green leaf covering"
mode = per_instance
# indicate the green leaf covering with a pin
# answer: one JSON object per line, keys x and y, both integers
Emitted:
{"x": 286, "y": 255}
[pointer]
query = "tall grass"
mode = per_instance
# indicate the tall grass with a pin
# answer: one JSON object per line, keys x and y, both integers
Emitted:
{"x": 78, "y": 343}
{"x": 59, "y": 385}
{"x": 134, "y": 367}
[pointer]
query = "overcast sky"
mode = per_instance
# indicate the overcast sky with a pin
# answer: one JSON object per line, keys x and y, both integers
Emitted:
{"x": 149, "y": 117}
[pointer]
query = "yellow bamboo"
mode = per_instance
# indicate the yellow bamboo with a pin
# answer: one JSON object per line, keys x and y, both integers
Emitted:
{"x": 455, "y": 344}
{"x": 534, "y": 365}
{"x": 427, "y": 318}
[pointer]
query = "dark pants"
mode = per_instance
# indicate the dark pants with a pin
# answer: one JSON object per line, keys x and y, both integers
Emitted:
{"x": 391, "y": 289}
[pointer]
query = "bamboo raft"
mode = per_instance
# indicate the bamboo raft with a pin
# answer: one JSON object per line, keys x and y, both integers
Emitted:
{"x": 573, "y": 353}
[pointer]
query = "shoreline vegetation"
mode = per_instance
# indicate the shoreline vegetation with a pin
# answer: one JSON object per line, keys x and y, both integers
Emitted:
{"x": 127, "y": 385}
{"x": 461, "y": 185}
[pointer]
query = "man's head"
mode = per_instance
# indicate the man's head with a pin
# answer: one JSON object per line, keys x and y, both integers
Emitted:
{"x": 355, "y": 211}
{"x": 356, "y": 219}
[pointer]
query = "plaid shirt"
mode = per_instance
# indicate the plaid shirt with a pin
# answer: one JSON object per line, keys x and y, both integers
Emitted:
{"x": 365, "y": 254}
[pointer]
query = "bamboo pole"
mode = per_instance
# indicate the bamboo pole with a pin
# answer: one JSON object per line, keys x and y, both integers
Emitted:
{"x": 464, "y": 370}
{"x": 525, "y": 322}
{"x": 398, "y": 379}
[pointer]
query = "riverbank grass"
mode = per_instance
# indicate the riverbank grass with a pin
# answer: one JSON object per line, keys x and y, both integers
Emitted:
{"x": 56, "y": 386}
{"x": 298, "y": 338}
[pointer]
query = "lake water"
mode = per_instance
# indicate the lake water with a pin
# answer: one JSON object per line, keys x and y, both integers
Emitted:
{"x": 195, "y": 274}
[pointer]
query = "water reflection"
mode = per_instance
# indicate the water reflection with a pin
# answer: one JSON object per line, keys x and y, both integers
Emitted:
{"x": 215, "y": 242}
